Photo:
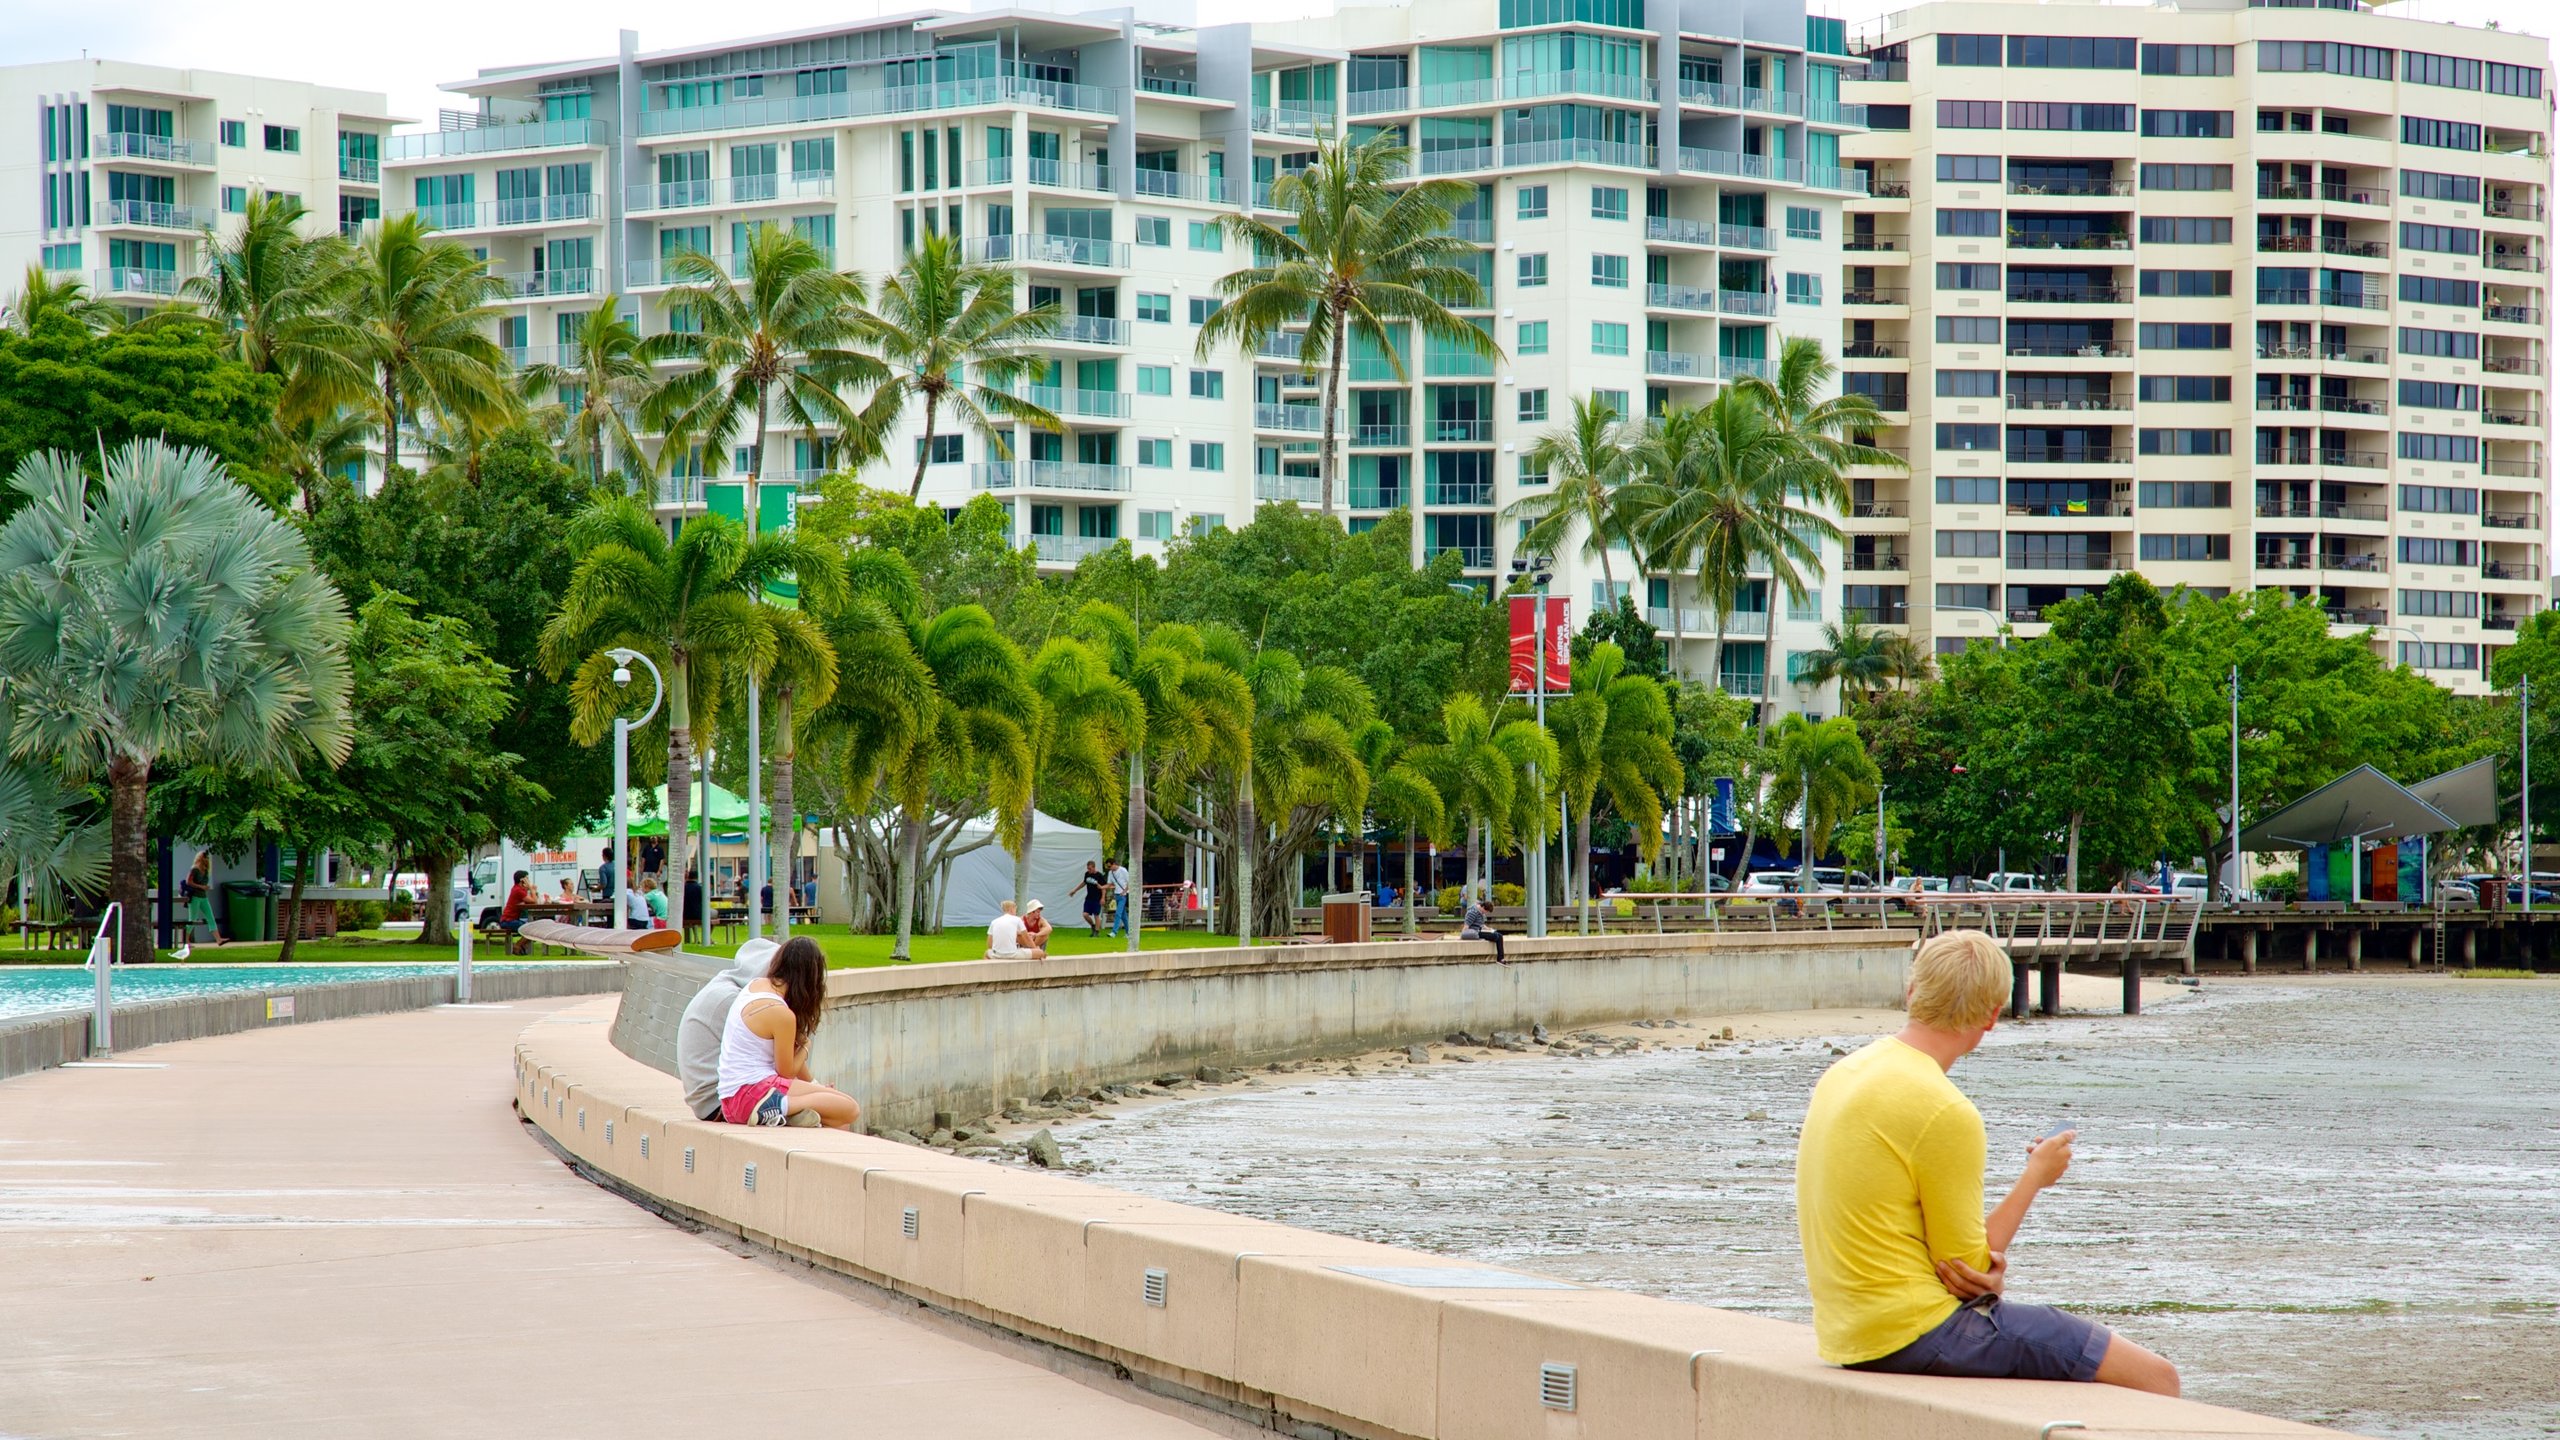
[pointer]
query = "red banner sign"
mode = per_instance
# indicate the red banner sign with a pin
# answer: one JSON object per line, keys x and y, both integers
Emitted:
{"x": 1524, "y": 645}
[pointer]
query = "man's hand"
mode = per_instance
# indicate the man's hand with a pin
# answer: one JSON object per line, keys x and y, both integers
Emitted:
{"x": 2047, "y": 1159}
{"x": 1966, "y": 1283}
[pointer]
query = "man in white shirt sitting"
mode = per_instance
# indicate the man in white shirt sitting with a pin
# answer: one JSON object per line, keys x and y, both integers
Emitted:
{"x": 1004, "y": 937}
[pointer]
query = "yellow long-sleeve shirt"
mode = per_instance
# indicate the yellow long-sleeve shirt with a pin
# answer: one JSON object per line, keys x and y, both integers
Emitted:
{"x": 1888, "y": 1183}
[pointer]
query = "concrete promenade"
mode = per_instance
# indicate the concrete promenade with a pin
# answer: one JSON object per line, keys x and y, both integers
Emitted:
{"x": 344, "y": 1230}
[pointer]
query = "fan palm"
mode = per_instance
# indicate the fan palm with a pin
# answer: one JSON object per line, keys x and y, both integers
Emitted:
{"x": 1361, "y": 258}
{"x": 1585, "y": 464}
{"x": 1613, "y": 733}
{"x": 410, "y": 330}
{"x": 271, "y": 288}
{"x": 939, "y": 320}
{"x": 1089, "y": 719}
{"x": 155, "y": 613}
{"x": 781, "y": 334}
{"x": 43, "y": 295}
{"x": 1851, "y": 654}
{"x": 601, "y": 382}
{"x": 688, "y": 603}
{"x": 1719, "y": 495}
{"x": 51, "y": 846}
{"x": 1825, "y": 768}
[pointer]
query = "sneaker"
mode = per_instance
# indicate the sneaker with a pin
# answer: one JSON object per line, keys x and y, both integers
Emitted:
{"x": 805, "y": 1119}
{"x": 769, "y": 1109}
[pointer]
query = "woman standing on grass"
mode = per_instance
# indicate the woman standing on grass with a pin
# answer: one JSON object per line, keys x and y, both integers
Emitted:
{"x": 764, "y": 1048}
{"x": 197, "y": 889}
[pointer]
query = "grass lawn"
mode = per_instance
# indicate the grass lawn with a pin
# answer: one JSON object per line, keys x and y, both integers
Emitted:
{"x": 849, "y": 951}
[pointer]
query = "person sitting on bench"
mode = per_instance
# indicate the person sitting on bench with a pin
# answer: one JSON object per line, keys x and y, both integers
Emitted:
{"x": 1479, "y": 926}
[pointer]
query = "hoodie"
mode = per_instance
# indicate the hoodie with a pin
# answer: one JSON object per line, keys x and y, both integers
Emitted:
{"x": 705, "y": 1018}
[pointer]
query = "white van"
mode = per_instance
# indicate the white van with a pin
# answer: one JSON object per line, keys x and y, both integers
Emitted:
{"x": 2012, "y": 881}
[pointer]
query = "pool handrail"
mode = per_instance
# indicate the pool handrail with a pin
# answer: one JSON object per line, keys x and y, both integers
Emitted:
{"x": 104, "y": 1022}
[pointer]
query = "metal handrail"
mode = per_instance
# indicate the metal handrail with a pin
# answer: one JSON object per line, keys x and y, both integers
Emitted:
{"x": 102, "y": 1025}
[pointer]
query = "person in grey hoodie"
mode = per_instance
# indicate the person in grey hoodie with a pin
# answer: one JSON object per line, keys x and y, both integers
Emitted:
{"x": 698, "y": 1034}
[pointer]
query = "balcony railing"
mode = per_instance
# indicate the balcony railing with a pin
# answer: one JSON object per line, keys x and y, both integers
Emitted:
{"x": 153, "y": 215}
{"x": 660, "y": 271}
{"x": 1847, "y": 180}
{"x": 1293, "y": 120}
{"x": 1381, "y": 437}
{"x": 1087, "y": 404}
{"x": 529, "y": 284}
{"x": 1889, "y": 189}
{"x": 2510, "y": 365}
{"x": 1457, "y": 158}
{"x": 2095, "y": 350}
{"x": 2067, "y": 560}
{"x": 1885, "y": 71}
{"x": 1167, "y": 85}
{"x": 2334, "y": 459}
{"x": 2513, "y": 209}
{"x": 1575, "y": 152}
{"x": 1050, "y": 475}
{"x": 1696, "y": 161}
{"x": 1823, "y": 111}
{"x": 1678, "y": 297}
{"x": 1736, "y": 367}
{"x": 1679, "y": 365}
{"x": 1708, "y": 92}
{"x": 2512, "y": 469}
{"x": 2511, "y": 520}
{"x": 2512, "y": 314}
{"x": 1747, "y": 302}
{"x": 1870, "y": 243}
{"x": 1879, "y": 510}
{"x": 2304, "y": 190}
{"x": 1470, "y": 557}
{"x": 1377, "y": 497}
{"x": 2070, "y": 455}
{"x": 2070, "y": 189}
{"x": 1533, "y": 85}
{"x": 2497, "y": 622}
{"x": 165, "y": 149}
{"x": 2069, "y": 402}
{"x": 1050, "y": 250}
{"x": 520, "y": 210}
{"x": 2510, "y": 417}
{"x": 2069, "y": 509}
{"x": 1458, "y": 432}
{"x": 1883, "y": 612}
{"x": 1876, "y": 350}
{"x": 489, "y": 139}
{"x": 1377, "y": 102}
{"x": 136, "y": 280}
{"x": 1457, "y": 493}
{"x": 1878, "y": 563}
{"x": 2349, "y": 354}
{"x": 1069, "y": 549}
{"x": 896, "y": 100}
{"x": 2509, "y": 570}
{"x": 2350, "y": 405}
{"x": 1875, "y": 295}
{"x": 1302, "y": 419}
{"x": 2354, "y": 562}
{"x": 1176, "y": 185}
{"x": 1747, "y": 237}
{"x": 2029, "y": 240}
{"x": 1090, "y": 330}
{"x": 2068, "y": 295}
{"x": 2320, "y": 510}
{"x": 359, "y": 169}
{"x": 1672, "y": 230}
{"x": 732, "y": 190}
{"x": 1304, "y": 489}
{"x": 1775, "y": 102}
{"x": 2343, "y": 299}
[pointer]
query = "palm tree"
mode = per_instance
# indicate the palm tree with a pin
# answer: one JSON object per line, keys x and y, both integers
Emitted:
{"x": 1302, "y": 769}
{"x": 1477, "y": 766}
{"x": 782, "y": 332}
{"x": 1719, "y": 496}
{"x": 271, "y": 288}
{"x": 688, "y": 603}
{"x": 1402, "y": 795}
{"x": 50, "y": 845}
{"x": 938, "y": 320}
{"x": 601, "y": 381}
{"x": 1585, "y": 463}
{"x": 235, "y": 652}
{"x": 976, "y": 739}
{"x": 1089, "y": 719}
{"x": 1613, "y": 732}
{"x": 43, "y": 295}
{"x": 802, "y": 671}
{"x": 1361, "y": 259}
{"x": 1905, "y": 662}
{"x": 1826, "y": 770}
{"x": 884, "y": 695}
{"x": 314, "y": 447}
{"x": 1826, "y": 428}
{"x": 411, "y": 332}
{"x": 1851, "y": 654}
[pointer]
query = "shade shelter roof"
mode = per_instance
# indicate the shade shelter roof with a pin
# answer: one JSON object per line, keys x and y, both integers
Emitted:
{"x": 2467, "y": 793}
{"x": 649, "y": 813}
{"x": 2363, "y": 804}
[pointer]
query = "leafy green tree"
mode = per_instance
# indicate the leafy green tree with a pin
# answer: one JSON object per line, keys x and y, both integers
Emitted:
{"x": 1586, "y": 463}
{"x": 782, "y": 333}
{"x": 240, "y": 656}
{"x": 967, "y": 557}
{"x": 232, "y": 810}
{"x": 410, "y": 332}
{"x": 1822, "y": 771}
{"x": 601, "y": 379}
{"x": 937, "y": 322}
{"x": 1362, "y": 257}
{"x": 63, "y": 387}
{"x": 1613, "y": 735}
{"x": 1622, "y": 625}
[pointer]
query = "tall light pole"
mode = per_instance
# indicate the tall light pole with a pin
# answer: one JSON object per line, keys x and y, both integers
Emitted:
{"x": 1538, "y": 574}
{"x": 622, "y": 773}
{"x": 1884, "y": 871}
{"x": 2231, "y": 878}
{"x": 2524, "y": 785}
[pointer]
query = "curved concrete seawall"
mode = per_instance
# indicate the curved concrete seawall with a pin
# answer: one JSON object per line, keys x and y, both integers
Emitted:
{"x": 1286, "y": 1327}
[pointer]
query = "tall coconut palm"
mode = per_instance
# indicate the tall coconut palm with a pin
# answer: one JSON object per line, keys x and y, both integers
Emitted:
{"x": 1198, "y": 722}
{"x": 1403, "y": 796}
{"x": 314, "y": 447}
{"x": 411, "y": 331}
{"x": 1585, "y": 463}
{"x": 1613, "y": 733}
{"x": 600, "y": 381}
{"x": 158, "y": 612}
{"x": 1362, "y": 257}
{"x": 1720, "y": 494}
{"x": 1825, "y": 427}
{"x": 1906, "y": 663}
{"x": 1852, "y": 655}
{"x": 781, "y": 335}
{"x": 1303, "y": 769}
{"x": 952, "y": 335}
{"x": 687, "y": 603}
{"x": 1089, "y": 721}
{"x": 1823, "y": 771}
{"x": 272, "y": 288}
{"x": 42, "y": 295}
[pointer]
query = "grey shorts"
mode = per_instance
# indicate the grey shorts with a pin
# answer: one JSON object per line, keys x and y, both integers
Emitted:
{"x": 1995, "y": 1339}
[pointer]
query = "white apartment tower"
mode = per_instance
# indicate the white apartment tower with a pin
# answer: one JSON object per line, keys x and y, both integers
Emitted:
{"x": 118, "y": 172}
{"x": 2235, "y": 296}
{"x": 1659, "y": 187}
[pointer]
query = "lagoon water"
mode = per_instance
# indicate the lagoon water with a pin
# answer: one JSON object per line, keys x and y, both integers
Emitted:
{"x": 2335, "y": 1202}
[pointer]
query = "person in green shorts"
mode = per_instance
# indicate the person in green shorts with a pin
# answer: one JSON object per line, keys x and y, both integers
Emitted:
{"x": 197, "y": 889}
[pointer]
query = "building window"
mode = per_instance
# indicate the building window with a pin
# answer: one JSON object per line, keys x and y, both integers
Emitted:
{"x": 235, "y": 199}
{"x": 1613, "y": 401}
{"x": 2156, "y": 336}
{"x": 2183, "y": 442}
{"x": 2440, "y": 499}
{"x": 1155, "y": 524}
{"x": 947, "y": 450}
{"x": 1974, "y": 50}
{"x": 2451, "y": 72}
{"x": 1969, "y": 544}
{"x": 1208, "y": 385}
{"x": 2324, "y": 57}
{"x": 1204, "y": 306}
{"x": 2072, "y": 52}
{"x": 2432, "y": 185}
{"x": 2424, "y": 550}
{"x": 1970, "y": 169}
{"x": 1533, "y": 338}
{"x": 1804, "y": 223}
{"x": 1608, "y": 202}
{"x": 2519, "y": 80}
{"x": 1968, "y": 277}
{"x": 1968, "y": 384}
{"x": 1969, "y": 329}
{"x": 2440, "y": 344}
{"x": 1155, "y": 379}
{"x": 235, "y": 134}
{"x": 2187, "y": 124}
{"x": 1532, "y": 472}
{"x": 1969, "y": 222}
{"x": 2070, "y": 115}
{"x": 1207, "y": 235}
{"x": 2441, "y": 239}
{"x": 2439, "y": 395}
{"x": 1608, "y": 337}
{"x": 1154, "y": 309}
{"x": 2186, "y": 60}
{"x": 1609, "y": 272}
{"x": 2439, "y": 655}
{"x": 2185, "y": 494}
{"x": 1155, "y": 455}
{"x": 1533, "y": 271}
{"x": 2437, "y": 290}
{"x": 1208, "y": 455}
{"x": 1969, "y": 437}
{"x": 2185, "y": 284}
{"x": 2440, "y": 604}
{"x": 2439, "y": 134}
{"x": 2186, "y": 547}
{"x": 2450, "y": 449}
{"x": 1533, "y": 406}
{"x": 2186, "y": 177}
{"x": 1533, "y": 202}
{"x": 2185, "y": 230}
{"x": 1803, "y": 289}
{"x": 1968, "y": 114}
{"x": 1155, "y": 230}
{"x": 287, "y": 140}
{"x": 1968, "y": 490}
{"x": 2184, "y": 390}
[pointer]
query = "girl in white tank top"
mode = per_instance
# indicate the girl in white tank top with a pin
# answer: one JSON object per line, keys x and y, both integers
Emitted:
{"x": 764, "y": 1061}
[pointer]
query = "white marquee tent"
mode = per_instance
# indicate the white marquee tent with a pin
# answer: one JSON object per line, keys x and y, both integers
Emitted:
{"x": 982, "y": 880}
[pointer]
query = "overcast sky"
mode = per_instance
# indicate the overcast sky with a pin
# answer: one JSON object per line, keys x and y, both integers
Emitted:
{"x": 407, "y": 50}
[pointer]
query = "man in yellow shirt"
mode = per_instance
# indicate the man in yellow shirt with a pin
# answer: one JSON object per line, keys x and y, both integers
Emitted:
{"x": 1906, "y": 1271}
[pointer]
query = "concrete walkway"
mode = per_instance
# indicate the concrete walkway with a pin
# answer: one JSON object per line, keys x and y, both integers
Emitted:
{"x": 342, "y": 1229}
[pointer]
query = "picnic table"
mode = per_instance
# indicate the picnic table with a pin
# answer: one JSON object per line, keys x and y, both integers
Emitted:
{"x": 75, "y": 929}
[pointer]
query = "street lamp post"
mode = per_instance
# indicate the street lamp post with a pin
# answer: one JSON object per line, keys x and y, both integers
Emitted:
{"x": 622, "y": 659}
{"x": 1539, "y": 573}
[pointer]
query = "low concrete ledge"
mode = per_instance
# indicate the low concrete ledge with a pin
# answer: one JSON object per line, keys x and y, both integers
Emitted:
{"x": 40, "y": 1042}
{"x": 965, "y": 1038}
{"x": 1287, "y": 1327}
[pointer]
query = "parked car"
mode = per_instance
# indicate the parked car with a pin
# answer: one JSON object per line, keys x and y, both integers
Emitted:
{"x": 2014, "y": 881}
{"x": 1917, "y": 885}
{"x": 2543, "y": 894}
{"x": 1769, "y": 882}
{"x": 2458, "y": 892}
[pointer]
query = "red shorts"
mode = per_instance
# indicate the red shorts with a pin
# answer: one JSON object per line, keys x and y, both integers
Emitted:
{"x": 739, "y": 1108}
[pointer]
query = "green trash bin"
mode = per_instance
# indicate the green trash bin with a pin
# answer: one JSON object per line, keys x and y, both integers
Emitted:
{"x": 244, "y": 908}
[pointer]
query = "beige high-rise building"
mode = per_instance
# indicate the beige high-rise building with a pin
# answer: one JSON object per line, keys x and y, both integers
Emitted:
{"x": 2234, "y": 297}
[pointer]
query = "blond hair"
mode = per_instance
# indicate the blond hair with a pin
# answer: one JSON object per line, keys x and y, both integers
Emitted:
{"x": 1959, "y": 980}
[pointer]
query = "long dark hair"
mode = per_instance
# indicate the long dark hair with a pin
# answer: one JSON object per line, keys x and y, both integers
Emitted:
{"x": 800, "y": 968}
